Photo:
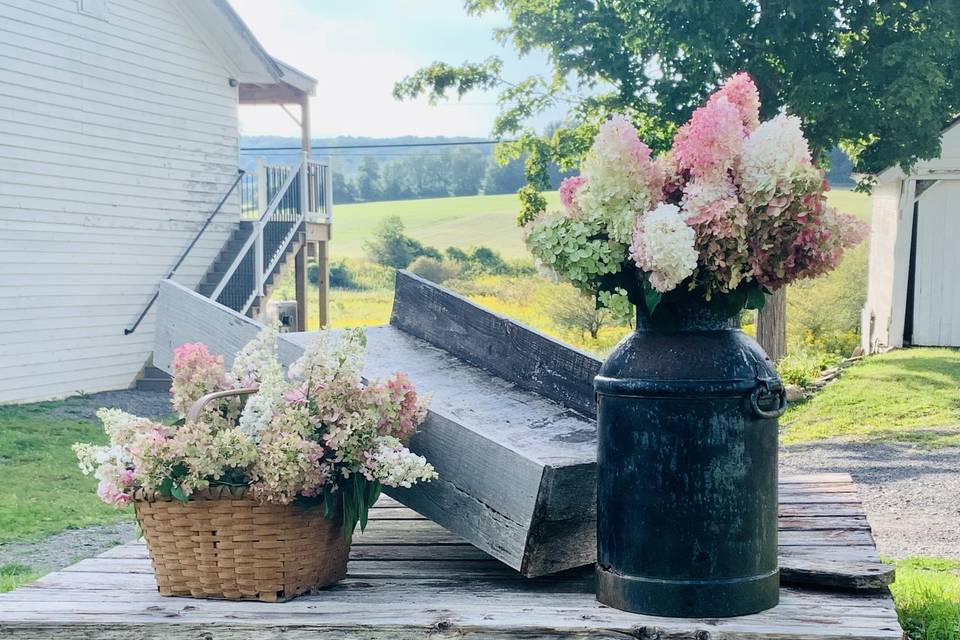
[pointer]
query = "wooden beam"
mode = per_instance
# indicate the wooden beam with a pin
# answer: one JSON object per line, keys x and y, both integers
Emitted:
{"x": 497, "y": 344}
{"x": 270, "y": 94}
{"x": 305, "y": 124}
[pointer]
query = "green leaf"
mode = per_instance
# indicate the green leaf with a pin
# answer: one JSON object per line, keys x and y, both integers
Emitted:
{"x": 166, "y": 488}
{"x": 375, "y": 490}
{"x": 651, "y": 297}
{"x": 178, "y": 493}
{"x": 328, "y": 501}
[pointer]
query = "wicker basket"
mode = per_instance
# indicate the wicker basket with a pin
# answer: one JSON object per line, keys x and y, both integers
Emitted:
{"x": 223, "y": 544}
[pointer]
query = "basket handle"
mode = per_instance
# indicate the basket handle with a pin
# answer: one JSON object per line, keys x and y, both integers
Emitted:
{"x": 198, "y": 406}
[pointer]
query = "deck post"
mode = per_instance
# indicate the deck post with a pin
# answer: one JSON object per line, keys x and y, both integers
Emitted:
{"x": 300, "y": 279}
{"x": 323, "y": 283}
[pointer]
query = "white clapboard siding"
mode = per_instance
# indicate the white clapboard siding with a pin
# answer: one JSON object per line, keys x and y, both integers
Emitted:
{"x": 119, "y": 136}
{"x": 935, "y": 313}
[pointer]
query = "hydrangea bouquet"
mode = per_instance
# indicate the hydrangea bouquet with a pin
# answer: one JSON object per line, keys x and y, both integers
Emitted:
{"x": 734, "y": 210}
{"x": 315, "y": 432}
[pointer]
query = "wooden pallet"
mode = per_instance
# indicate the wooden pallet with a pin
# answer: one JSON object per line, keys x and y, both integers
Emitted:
{"x": 410, "y": 578}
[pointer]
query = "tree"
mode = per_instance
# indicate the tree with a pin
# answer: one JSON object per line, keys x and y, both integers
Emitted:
{"x": 343, "y": 190}
{"x": 368, "y": 179}
{"x": 876, "y": 77}
{"x": 467, "y": 166}
{"x": 504, "y": 178}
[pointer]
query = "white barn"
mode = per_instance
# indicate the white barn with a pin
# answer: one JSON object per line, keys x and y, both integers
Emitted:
{"x": 913, "y": 291}
{"x": 118, "y": 138}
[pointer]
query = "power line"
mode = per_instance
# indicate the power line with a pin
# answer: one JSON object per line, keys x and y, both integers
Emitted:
{"x": 377, "y": 146}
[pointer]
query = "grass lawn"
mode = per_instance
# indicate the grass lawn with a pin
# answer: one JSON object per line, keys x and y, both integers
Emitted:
{"x": 43, "y": 491}
{"x": 906, "y": 395}
{"x": 14, "y": 575}
{"x": 927, "y": 593}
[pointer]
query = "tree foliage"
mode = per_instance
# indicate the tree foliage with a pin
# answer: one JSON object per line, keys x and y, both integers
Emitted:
{"x": 877, "y": 77}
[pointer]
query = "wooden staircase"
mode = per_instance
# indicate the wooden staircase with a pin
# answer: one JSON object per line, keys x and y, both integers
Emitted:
{"x": 236, "y": 290}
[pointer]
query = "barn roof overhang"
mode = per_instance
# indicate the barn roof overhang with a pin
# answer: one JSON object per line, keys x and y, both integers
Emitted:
{"x": 262, "y": 79}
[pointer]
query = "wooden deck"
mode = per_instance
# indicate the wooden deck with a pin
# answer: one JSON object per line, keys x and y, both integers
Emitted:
{"x": 409, "y": 578}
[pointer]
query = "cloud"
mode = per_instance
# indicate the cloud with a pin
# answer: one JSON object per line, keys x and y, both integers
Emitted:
{"x": 358, "y": 49}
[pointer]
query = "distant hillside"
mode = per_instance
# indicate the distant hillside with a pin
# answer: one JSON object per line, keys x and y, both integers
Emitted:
{"x": 348, "y": 160}
{"x": 432, "y": 167}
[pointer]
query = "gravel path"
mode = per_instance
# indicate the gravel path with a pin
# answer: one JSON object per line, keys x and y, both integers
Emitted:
{"x": 68, "y": 547}
{"x": 911, "y": 495}
{"x": 148, "y": 404}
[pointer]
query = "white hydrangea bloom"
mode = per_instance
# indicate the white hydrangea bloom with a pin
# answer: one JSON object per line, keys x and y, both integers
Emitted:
{"x": 663, "y": 246}
{"x": 774, "y": 152}
{"x": 621, "y": 178}
{"x": 328, "y": 354}
{"x": 257, "y": 354}
{"x": 120, "y": 425}
{"x": 396, "y": 466}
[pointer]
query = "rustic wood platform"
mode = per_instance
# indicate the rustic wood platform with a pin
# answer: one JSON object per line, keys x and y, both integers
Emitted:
{"x": 409, "y": 578}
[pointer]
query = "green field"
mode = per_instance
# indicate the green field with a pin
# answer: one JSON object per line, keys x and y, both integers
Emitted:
{"x": 471, "y": 221}
{"x": 464, "y": 222}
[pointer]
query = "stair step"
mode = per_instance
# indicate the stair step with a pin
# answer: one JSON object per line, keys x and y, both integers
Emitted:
{"x": 154, "y": 379}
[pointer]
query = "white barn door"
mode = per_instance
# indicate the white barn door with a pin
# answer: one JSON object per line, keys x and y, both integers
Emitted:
{"x": 936, "y": 284}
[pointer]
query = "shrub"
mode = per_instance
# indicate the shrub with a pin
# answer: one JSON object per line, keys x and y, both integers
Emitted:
{"x": 438, "y": 271}
{"x": 803, "y": 366}
{"x": 341, "y": 277}
{"x": 574, "y": 311}
{"x": 480, "y": 260}
{"x": 390, "y": 247}
{"x": 823, "y": 315}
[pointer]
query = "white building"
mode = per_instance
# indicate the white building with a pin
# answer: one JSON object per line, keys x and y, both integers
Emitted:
{"x": 913, "y": 293}
{"x": 118, "y": 139}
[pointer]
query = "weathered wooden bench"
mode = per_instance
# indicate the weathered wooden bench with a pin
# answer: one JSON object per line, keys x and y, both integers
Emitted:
{"x": 410, "y": 578}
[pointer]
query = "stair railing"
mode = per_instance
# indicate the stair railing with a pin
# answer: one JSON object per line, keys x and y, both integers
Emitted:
{"x": 303, "y": 195}
{"x": 183, "y": 256}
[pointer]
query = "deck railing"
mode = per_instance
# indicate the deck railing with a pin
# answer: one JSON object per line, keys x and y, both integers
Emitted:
{"x": 285, "y": 197}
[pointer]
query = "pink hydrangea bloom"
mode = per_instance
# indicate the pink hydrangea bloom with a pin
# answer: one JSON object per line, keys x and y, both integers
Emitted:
{"x": 740, "y": 90}
{"x": 568, "y": 192}
{"x": 109, "y": 493}
{"x": 710, "y": 143}
{"x": 196, "y": 372}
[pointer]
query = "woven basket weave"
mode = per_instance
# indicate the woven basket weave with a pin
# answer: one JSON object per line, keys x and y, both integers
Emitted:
{"x": 222, "y": 544}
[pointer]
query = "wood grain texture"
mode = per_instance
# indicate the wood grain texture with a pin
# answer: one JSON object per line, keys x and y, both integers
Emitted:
{"x": 409, "y": 578}
{"x": 495, "y": 343}
{"x": 515, "y": 467}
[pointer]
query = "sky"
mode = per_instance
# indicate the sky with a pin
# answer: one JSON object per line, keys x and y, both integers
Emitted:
{"x": 358, "y": 49}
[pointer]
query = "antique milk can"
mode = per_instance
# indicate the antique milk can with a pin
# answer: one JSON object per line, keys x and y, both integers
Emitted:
{"x": 687, "y": 469}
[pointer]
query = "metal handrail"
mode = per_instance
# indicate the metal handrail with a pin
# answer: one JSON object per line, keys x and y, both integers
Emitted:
{"x": 183, "y": 256}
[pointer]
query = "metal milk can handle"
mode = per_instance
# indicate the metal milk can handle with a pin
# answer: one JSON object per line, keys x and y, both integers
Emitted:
{"x": 766, "y": 387}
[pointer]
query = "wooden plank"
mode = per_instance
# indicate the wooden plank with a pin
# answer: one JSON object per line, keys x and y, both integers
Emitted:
{"x": 495, "y": 343}
{"x": 416, "y": 598}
